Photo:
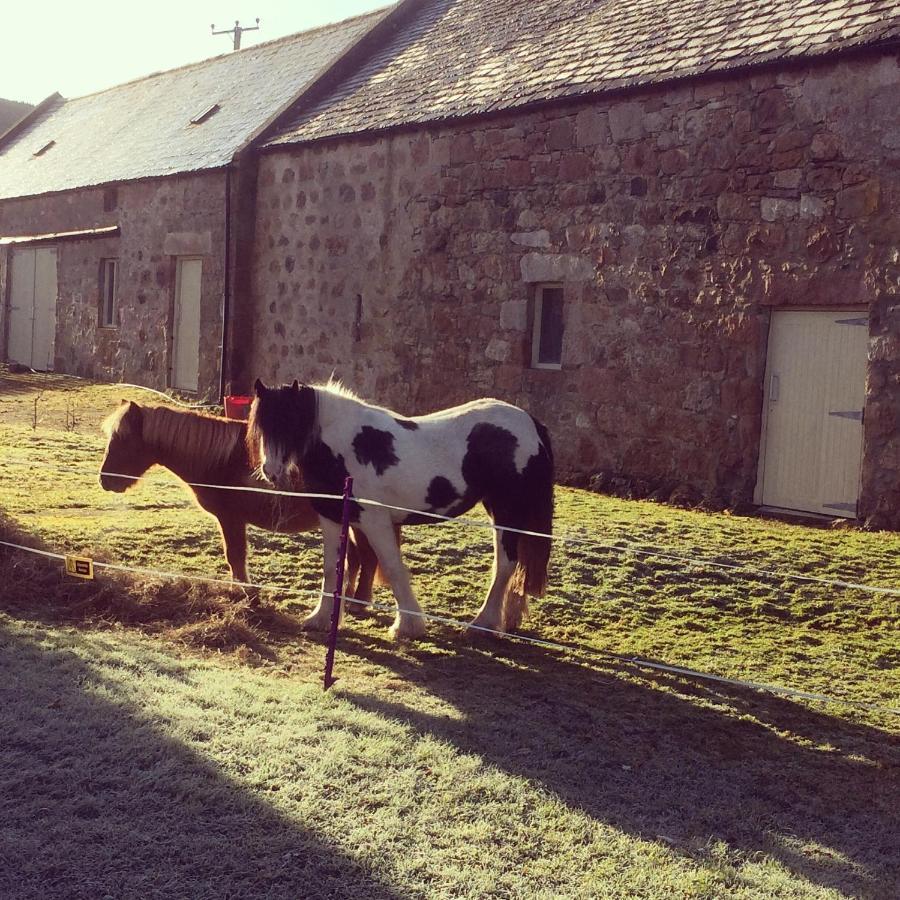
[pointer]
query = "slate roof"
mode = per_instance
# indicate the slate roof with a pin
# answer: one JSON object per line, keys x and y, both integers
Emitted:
{"x": 143, "y": 128}
{"x": 11, "y": 111}
{"x": 466, "y": 57}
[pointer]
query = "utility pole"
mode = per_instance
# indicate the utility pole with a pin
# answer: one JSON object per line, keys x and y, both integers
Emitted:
{"x": 237, "y": 31}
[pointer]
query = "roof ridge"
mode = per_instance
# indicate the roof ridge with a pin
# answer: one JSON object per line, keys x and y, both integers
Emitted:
{"x": 285, "y": 38}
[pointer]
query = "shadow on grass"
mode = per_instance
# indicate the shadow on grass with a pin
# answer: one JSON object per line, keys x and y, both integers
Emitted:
{"x": 13, "y": 381}
{"x": 819, "y": 794}
{"x": 95, "y": 801}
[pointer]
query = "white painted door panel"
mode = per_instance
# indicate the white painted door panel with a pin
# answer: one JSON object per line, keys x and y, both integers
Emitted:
{"x": 44, "y": 338}
{"x": 32, "y": 307}
{"x": 186, "y": 337}
{"x": 21, "y": 307}
{"x": 814, "y": 397}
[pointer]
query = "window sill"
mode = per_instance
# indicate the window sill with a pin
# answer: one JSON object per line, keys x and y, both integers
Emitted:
{"x": 551, "y": 366}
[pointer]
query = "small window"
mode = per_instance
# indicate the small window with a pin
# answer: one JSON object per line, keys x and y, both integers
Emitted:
{"x": 109, "y": 287}
{"x": 547, "y": 334}
{"x": 206, "y": 113}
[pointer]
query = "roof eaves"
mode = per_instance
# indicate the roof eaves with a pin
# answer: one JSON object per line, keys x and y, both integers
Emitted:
{"x": 28, "y": 118}
{"x": 81, "y": 234}
{"x": 111, "y": 182}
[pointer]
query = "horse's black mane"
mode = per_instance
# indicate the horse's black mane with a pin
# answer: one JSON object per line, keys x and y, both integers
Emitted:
{"x": 287, "y": 415}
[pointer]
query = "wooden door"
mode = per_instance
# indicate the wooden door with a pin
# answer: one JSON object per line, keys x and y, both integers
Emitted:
{"x": 814, "y": 399}
{"x": 32, "y": 307}
{"x": 186, "y": 332}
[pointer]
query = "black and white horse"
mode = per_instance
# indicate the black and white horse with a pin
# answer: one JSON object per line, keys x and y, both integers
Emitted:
{"x": 444, "y": 463}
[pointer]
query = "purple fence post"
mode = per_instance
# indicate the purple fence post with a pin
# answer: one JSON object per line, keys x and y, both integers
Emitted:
{"x": 328, "y": 679}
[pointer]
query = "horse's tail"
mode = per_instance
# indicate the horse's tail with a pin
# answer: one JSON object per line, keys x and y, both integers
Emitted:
{"x": 533, "y": 550}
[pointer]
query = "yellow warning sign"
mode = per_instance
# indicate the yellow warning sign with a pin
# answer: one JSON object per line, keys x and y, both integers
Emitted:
{"x": 80, "y": 566}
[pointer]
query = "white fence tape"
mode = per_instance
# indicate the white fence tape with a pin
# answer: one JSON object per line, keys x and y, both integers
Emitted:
{"x": 619, "y": 545}
{"x": 634, "y": 661}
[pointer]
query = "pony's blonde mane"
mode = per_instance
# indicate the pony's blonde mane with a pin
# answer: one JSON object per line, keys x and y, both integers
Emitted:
{"x": 112, "y": 424}
{"x": 198, "y": 441}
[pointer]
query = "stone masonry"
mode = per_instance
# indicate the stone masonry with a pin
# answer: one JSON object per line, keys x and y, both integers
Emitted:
{"x": 675, "y": 218}
{"x": 159, "y": 219}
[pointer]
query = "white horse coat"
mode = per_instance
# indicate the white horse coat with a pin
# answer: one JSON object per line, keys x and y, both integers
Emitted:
{"x": 444, "y": 463}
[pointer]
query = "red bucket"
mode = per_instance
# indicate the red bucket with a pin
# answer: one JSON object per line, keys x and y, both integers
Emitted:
{"x": 237, "y": 406}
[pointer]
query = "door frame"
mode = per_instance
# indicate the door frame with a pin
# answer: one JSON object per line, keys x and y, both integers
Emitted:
{"x": 852, "y": 309}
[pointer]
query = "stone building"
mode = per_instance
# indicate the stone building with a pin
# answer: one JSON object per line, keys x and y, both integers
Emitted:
{"x": 126, "y": 215}
{"x": 668, "y": 229}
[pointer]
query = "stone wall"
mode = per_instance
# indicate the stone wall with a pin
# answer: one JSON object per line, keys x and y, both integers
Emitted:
{"x": 675, "y": 220}
{"x": 159, "y": 219}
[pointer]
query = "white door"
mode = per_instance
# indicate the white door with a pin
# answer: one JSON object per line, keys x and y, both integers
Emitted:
{"x": 186, "y": 336}
{"x": 32, "y": 307}
{"x": 814, "y": 397}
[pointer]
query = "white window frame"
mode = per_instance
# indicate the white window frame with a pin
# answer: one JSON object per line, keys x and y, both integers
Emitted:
{"x": 107, "y": 265}
{"x": 536, "y": 327}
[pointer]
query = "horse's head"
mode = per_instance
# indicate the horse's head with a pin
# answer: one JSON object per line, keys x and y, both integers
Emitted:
{"x": 281, "y": 426}
{"x": 126, "y": 453}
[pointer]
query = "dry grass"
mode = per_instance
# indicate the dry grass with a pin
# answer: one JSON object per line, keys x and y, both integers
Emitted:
{"x": 189, "y": 612}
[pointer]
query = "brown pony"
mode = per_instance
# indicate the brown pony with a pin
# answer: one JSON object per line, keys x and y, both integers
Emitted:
{"x": 205, "y": 449}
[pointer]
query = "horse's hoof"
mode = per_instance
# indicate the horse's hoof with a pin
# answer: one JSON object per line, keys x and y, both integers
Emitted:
{"x": 483, "y": 631}
{"x": 315, "y": 623}
{"x": 407, "y": 630}
{"x": 359, "y": 609}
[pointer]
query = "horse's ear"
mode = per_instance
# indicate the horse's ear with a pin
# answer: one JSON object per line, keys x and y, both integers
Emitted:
{"x": 295, "y": 386}
{"x": 133, "y": 417}
{"x": 259, "y": 387}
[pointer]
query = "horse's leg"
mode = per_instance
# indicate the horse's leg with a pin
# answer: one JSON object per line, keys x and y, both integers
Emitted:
{"x": 409, "y": 622}
{"x": 490, "y": 616}
{"x": 320, "y": 618}
{"x": 366, "y": 566}
{"x": 234, "y": 539}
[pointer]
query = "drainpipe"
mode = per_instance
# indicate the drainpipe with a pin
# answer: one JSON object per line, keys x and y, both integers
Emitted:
{"x": 226, "y": 299}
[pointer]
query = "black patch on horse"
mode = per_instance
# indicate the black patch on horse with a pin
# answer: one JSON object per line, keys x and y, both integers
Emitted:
{"x": 374, "y": 447}
{"x": 408, "y": 424}
{"x": 441, "y": 493}
{"x": 489, "y": 468}
{"x": 325, "y": 473}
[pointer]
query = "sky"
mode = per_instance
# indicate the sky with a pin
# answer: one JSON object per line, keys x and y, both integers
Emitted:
{"x": 77, "y": 47}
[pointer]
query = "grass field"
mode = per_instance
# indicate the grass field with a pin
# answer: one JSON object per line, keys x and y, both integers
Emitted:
{"x": 152, "y": 747}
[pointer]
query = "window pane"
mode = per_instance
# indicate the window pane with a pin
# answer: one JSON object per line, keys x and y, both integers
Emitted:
{"x": 550, "y": 349}
{"x": 108, "y": 287}
{"x": 111, "y": 302}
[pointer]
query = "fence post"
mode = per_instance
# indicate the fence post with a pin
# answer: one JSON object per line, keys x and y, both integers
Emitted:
{"x": 328, "y": 679}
